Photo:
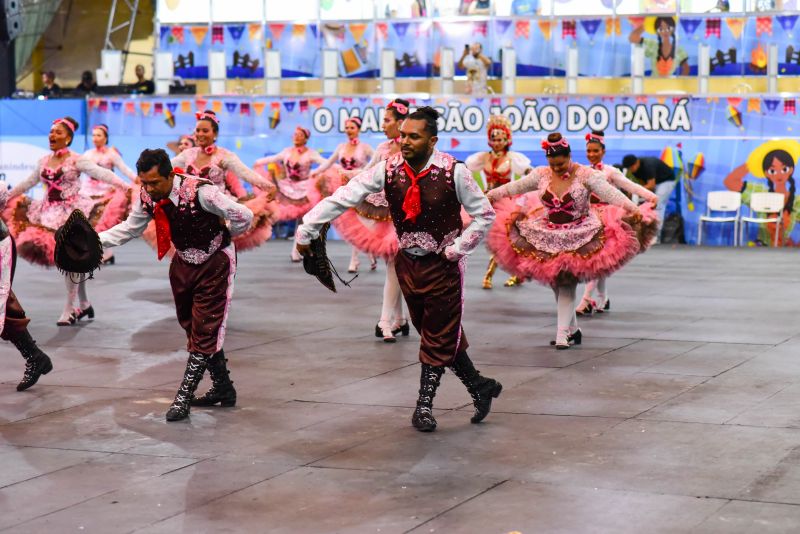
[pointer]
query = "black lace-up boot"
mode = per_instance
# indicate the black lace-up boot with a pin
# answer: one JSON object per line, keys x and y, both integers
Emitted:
{"x": 429, "y": 379}
{"x": 37, "y": 363}
{"x": 195, "y": 367}
{"x": 481, "y": 388}
{"x": 221, "y": 391}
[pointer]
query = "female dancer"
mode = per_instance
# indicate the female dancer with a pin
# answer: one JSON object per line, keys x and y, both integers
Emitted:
{"x": 296, "y": 193}
{"x": 569, "y": 243}
{"x": 499, "y": 166}
{"x": 184, "y": 142}
{"x": 646, "y": 230}
{"x": 108, "y": 158}
{"x": 345, "y": 162}
{"x": 33, "y": 223}
{"x": 225, "y": 169}
{"x": 369, "y": 228}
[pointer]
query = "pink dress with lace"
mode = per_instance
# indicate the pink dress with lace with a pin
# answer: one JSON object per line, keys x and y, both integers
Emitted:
{"x": 107, "y": 158}
{"x": 368, "y": 226}
{"x": 33, "y": 223}
{"x": 296, "y": 192}
{"x": 566, "y": 241}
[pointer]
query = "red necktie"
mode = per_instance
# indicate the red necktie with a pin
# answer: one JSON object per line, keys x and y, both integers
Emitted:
{"x": 412, "y": 204}
{"x": 163, "y": 234}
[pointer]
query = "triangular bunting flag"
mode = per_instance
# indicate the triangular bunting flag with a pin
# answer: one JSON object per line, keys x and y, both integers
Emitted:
{"x": 158, "y": 108}
{"x": 313, "y": 29}
{"x": 613, "y": 25}
{"x": 303, "y": 106}
{"x": 236, "y": 32}
{"x": 216, "y": 106}
{"x": 502, "y": 26}
{"x": 480, "y": 28}
{"x": 400, "y": 28}
{"x": 177, "y": 33}
{"x": 568, "y": 29}
{"x": 102, "y": 106}
{"x": 735, "y": 25}
{"x": 789, "y": 106}
{"x": 317, "y": 102}
{"x": 734, "y": 101}
{"x": 164, "y": 32}
{"x": 276, "y": 30}
{"x": 254, "y": 32}
{"x": 186, "y": 106}
{"x": 690, "y": 25}
{"x": 130, "y": 109}
{"x": 383, "y": 30}
{"x": 754, "y": 105}
{"x": 522, "y": 29}
{"x": 713, "y": 28}
{"x": 244, "y": 108}
{"x": 199, "y": 33}
{"x": 201, "y": 104}
{"x": 357, "y": 30}
{"x": 259, "y": 107}
{"x": 299, "y": 31}
{"x": 454, "y": 142}
{"x": 545, "y": 27}
{"x": 289, "y": 105}
{"x": 230, "y": 107}
{"x": 787, "y": 22}
{"x": 591, "y": 26}
{"x": 172, "y": 106}
{"x": 116, "y": 106}
{"x": 145, "y": 107}
{"x": 771, "y": 103}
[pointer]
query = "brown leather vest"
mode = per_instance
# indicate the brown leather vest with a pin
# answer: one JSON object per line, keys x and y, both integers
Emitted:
{"x": 439, "y": 223}
{"x": 196, "y": 233}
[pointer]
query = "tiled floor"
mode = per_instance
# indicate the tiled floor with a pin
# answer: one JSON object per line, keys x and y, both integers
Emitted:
{"x": 679, "y": 413}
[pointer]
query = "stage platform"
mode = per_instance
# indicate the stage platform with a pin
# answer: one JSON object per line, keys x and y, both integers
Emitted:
{"x": 679, "y": 413}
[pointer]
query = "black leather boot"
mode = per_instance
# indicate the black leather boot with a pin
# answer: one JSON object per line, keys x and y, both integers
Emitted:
{"x": 429, "y": 379}
{"x": 481, "y": 388}
{"x": 37, "y": 363}
{"x": 195, "y": 367}
{"x": 221, "y": 391}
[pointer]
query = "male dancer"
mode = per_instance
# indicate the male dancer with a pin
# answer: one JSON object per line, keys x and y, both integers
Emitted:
{"x": 425, "y": 190}
{"x": 190, "y": 212}
{"x": 13, "y": 322}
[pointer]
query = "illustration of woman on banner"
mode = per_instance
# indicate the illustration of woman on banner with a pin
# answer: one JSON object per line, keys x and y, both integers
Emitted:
{"x": 666, "y": 59}
{"x": 773, "y": 161}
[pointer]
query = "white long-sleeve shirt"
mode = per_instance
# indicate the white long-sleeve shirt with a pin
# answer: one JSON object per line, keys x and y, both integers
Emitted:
{"x": 211, "y": 199}
{"x": 372, "y": 180}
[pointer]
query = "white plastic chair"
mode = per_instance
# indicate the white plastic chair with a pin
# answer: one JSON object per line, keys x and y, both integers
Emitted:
{"x": 766, "y": 204}
{"x": 721, "y": 201}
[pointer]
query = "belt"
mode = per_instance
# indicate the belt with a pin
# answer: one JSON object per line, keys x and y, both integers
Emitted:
{"x": 416, "y": 252}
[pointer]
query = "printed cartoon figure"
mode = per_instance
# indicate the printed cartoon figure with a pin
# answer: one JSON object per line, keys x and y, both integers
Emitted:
{"x": 773, "y": 161}
{"x": 665, "y": 58}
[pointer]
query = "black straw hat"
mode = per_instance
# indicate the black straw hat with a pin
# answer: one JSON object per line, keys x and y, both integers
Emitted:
{"x": 317, "y": 263}
{"x": 78, "y": 249}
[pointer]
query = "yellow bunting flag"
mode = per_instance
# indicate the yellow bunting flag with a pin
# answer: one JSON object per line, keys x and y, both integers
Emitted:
{"x": 735, "y": 25}
{"x": 145, "y": 107}
{"x": 186, "y": 106}
{"x": 259, "y": 107}
{"x": 754, "y": 104}
{"x": 358, "y": 31}
{"x": 545, "y": 27}
{"x": 199, "y": 33}
{"x": 254, "y": 31}
{"x": 216, "y": 106}
{"x": 299, "y": 30}
{"x": 613, "y": 25}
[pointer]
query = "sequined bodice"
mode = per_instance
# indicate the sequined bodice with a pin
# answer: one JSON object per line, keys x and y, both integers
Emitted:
{"x": 571, "y": 206}
{"x": 63, "y": 182}
{"x": 349, "y": 164}
{"x": 497, "y": 171}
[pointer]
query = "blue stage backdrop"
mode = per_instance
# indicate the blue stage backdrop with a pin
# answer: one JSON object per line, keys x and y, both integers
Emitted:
{"x": 719, "y": 143}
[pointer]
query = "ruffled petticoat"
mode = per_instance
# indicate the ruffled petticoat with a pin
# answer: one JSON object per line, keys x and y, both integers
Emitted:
{"x": 295, "y": 198}
{"x": 646, "y": 230}
{"x": 526, "y": 245}
{"x": 33, "y": 223}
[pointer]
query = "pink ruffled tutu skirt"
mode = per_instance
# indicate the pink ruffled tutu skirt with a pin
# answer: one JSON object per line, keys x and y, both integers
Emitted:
{"x": 526, "y": 245}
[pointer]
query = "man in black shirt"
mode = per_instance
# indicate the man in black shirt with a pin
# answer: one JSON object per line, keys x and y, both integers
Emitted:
{"x": 142, "y": 86}
{"x": 51, "y": 89}
{"x": 87, "y": 84}
{"x": 656, "y": 176}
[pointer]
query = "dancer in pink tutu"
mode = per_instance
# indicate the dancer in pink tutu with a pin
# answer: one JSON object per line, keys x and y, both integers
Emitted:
{"x": 368, "y": 227}
{"x": 346, "y": 161}
{"x": 646, "y": 230}
{"x": 109, "y": 158}
{"x": 569, "y": 242}
{"x": 296, "y": 192}
{"x": 225, "y": 170}
{"x": 33, "y": 223}
{"x": 498, "y": 167}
